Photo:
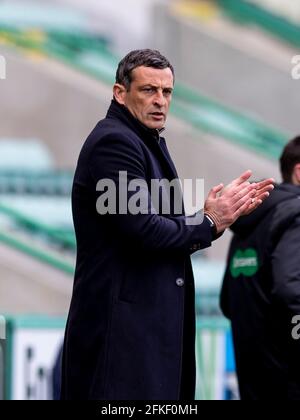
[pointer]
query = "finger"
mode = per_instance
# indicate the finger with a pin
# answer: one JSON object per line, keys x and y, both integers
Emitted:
{"x": 265, "y": 184}
{"x": 243, "y": 178}
{"x": 244, "y": 208}
{"x": 256, "y": 202}
{"x": 214, "y": 191}
{"x": 239, "y": 192}
{"x": 249, "y": 197}
{"x": 263, "y": 196}
{"x": 252, "y": 207}
{"x": 264, "y": 190}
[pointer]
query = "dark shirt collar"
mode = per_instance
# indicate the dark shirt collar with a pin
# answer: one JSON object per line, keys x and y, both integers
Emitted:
{"x": 122, "y": 113}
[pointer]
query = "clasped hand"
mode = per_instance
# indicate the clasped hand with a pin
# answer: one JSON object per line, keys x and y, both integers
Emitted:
{"x": 240, "y": 198}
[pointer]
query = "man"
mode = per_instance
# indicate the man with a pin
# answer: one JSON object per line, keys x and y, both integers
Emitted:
{"x": 131, "y": 327}
{"x": 261, "y": 290}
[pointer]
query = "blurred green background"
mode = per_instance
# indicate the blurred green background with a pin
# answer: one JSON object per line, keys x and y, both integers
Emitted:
{"x": 235, "y": 105}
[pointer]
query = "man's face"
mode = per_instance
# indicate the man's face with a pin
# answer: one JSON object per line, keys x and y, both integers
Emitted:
{"x": 149, "y": 96}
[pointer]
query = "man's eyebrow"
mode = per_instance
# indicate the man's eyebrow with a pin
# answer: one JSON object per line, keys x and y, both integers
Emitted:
{"x": 149, "y": 85}
{"x": 156, "y": 87}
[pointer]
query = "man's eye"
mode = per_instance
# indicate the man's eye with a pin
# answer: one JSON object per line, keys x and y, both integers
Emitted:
{"x": 148, "y": 90}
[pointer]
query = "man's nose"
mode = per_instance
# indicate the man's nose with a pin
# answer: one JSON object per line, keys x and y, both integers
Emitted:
{"x": 159, "y": 99}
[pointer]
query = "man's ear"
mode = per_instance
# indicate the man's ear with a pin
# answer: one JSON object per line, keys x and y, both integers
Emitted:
{"x": 296, "y": 174}
{"x": 119, "y": 93}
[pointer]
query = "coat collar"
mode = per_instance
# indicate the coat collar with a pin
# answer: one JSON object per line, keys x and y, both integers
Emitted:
{"x": 150, "y": 136}
{"x": 122, "y": 113}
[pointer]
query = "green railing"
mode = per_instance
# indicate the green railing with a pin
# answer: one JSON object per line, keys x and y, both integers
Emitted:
{"x": 36, "y": 253}
{"x": 50, "y": 183}
{"x": 94, "y": 58}
{"x": 57, "y": 183}
{"x": 247, "y": 12}
{"x": 64, "y": 239}
{"x": 212, "y": 117}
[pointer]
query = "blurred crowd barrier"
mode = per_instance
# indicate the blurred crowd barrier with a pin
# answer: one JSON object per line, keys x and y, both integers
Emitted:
{"x": 30, "y": 359}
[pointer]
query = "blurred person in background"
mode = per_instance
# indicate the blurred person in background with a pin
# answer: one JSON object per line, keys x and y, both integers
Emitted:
{"x": 131, "y": 328}
{"x": 261, "y": 290}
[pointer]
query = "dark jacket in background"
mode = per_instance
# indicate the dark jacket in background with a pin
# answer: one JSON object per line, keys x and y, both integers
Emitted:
{"x": 131, "y": 327}
{"x": 261, "y": 295}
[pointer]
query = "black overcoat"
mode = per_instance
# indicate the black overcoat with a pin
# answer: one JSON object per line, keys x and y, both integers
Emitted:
{"x": 131, "y": 327}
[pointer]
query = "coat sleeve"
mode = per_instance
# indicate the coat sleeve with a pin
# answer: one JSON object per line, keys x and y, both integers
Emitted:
{"x": 119, "y": 153}
{"x": 286, "y": 296}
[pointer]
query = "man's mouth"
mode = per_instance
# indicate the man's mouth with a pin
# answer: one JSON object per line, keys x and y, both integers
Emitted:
{"x": 158, "y": 115}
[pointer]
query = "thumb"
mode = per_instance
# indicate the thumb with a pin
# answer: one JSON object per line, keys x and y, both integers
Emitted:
{"x": 214, "y": 191}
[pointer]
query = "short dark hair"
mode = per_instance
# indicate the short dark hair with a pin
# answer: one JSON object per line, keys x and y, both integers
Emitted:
{"x": 289, "y": 159}
{"x": 138, "y": 58}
